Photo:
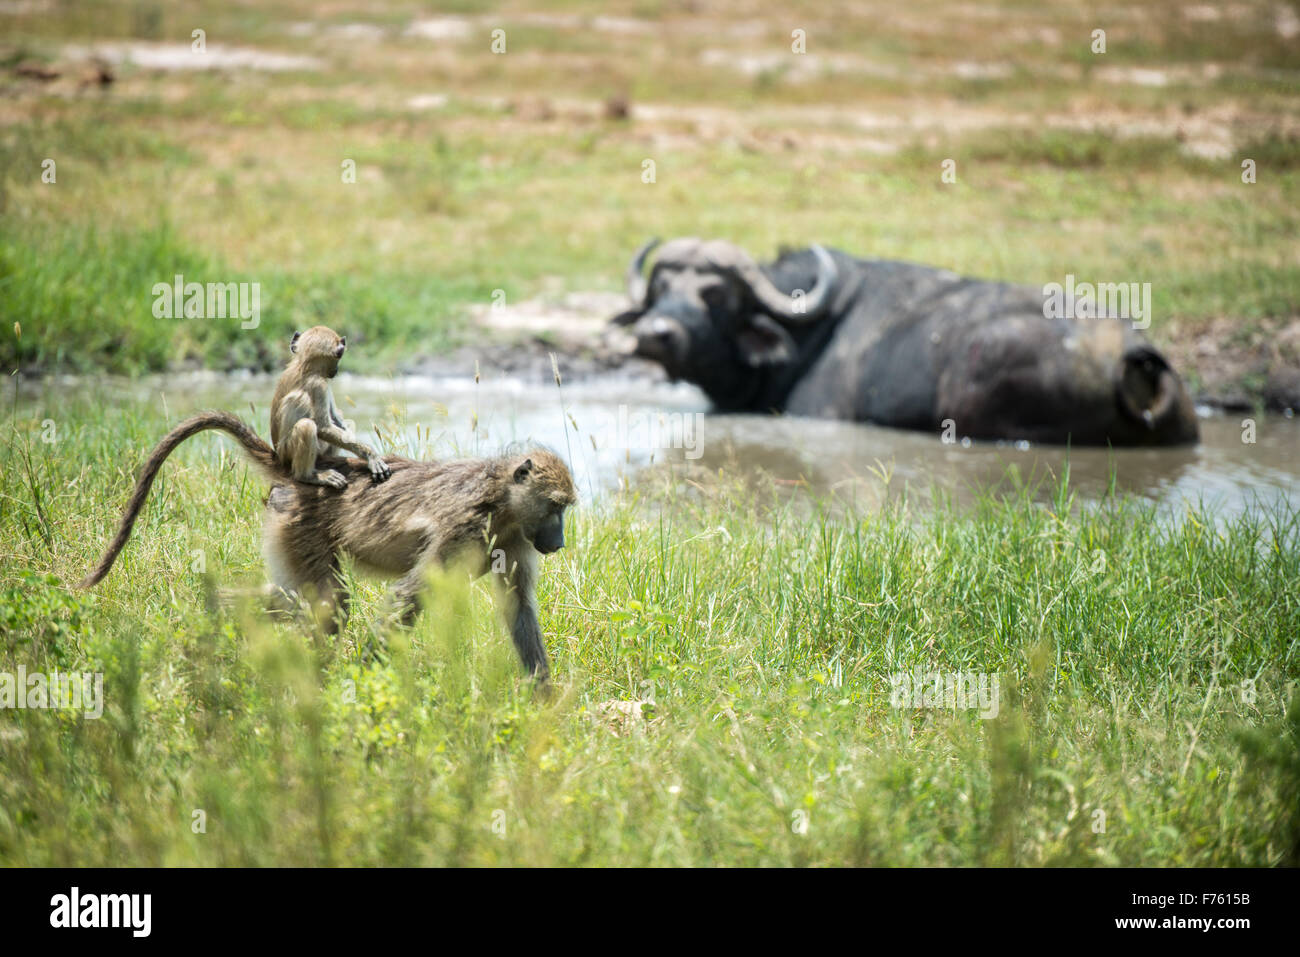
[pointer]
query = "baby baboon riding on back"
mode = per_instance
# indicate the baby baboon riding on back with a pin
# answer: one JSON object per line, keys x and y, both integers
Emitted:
{"x": 305, "y": 422}
{"x": 489, "y": 514}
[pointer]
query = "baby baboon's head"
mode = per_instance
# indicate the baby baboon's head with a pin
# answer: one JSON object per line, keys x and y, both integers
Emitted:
{"x": 541, "y": 488}
{"x": 320, "y": 348}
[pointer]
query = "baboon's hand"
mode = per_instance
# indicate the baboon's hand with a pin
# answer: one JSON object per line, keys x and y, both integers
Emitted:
{"x": 332, "y": 478}
{"x": 379, "y": 469}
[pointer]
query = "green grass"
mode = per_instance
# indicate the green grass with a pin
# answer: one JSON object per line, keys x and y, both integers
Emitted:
{"x": 83, "y": 301}
{"x": 766, "y": 636}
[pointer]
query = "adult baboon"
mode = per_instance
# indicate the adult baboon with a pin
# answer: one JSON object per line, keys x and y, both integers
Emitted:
{"x": 492, "y": 514}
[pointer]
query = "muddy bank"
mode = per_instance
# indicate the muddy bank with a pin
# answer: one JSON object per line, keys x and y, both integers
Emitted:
{"x": 1229, "y": 365}
{"x": 519, "y": 341}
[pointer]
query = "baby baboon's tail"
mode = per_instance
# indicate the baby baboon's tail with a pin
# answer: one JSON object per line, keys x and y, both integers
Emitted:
{"x": 255, "y": 448}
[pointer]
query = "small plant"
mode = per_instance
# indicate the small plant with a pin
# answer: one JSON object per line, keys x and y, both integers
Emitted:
{"x": 41, "y": 618}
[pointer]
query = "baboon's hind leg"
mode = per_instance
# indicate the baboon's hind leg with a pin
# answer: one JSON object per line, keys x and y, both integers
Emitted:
{"x": 301, "y": 446}
{"x": 402, "y": 606}
{"x": 273, "y": 599}
{"x": 304, "y": 570}
{"x": 406, "y": 597}
{"x": 328, "y": 600}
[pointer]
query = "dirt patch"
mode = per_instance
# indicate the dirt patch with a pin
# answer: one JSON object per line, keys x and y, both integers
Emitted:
{"x": 625, "y": 719}
{"x": 520, "y": 339}
{"x": 463, "y": 27}
{"x": 528, "y": 361}
{"x": 1234, "y": 371}
{"x": 171, "y": 57}
{"x": 441, "y": 28}
{"x": 572, "y": 322}
{"x": 347, "y": 32}
{"x": 1212, "y": 133}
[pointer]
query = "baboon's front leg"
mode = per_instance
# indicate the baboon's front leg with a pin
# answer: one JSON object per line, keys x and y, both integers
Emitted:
{"x": 520, "y": 606}
{"x": 328, "y": 603}
{"x": 527, "y": 635}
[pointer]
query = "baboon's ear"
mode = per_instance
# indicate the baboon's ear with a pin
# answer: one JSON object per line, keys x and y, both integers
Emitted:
{"x": 524, "y": 468}
{"x": 343, "y": 341}
{"x": 293, "y": 343}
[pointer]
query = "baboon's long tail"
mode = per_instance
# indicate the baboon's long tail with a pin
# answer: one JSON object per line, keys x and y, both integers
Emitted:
{"x": 256, "y": 449}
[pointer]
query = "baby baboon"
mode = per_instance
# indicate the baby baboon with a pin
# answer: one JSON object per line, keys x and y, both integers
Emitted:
{"x": 490, "y": 514}
{"x": 305, "y": 422}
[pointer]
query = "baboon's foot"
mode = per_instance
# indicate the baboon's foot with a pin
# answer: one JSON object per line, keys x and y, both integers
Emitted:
{"x": 329, "y": 478}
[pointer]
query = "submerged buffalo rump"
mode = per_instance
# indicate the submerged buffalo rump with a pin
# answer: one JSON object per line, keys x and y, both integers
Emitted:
{"x": 821, "y": 333}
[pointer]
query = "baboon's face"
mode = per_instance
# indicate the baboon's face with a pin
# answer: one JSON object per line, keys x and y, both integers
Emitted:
{"x": 543, "y": 490}
{"x": 548, "y": 537}
{"x": 321, "y": 347}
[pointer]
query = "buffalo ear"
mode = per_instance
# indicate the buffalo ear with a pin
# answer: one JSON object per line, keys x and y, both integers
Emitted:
{"x": 524, "y": 468}
{"x": 627, "y": 318}
{"x": 293, "y": 343}
{"x": 763, "y": 342}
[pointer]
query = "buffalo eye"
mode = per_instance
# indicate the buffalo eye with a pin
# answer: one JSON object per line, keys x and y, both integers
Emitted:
{"x": 715, "y": 297}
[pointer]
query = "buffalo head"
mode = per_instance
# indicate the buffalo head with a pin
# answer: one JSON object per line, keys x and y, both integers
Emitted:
{"x": 709, "y": 315}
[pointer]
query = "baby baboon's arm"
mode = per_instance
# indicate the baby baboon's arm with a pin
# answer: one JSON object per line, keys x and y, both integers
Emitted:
{"x": 337, "y": 433}
{"x": 343, "y": 439}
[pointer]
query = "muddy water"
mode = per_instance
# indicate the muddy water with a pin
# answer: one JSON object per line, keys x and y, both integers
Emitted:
{"x": 618, "y": 430}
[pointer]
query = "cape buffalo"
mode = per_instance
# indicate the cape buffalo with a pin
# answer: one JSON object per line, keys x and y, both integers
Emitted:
{"x": 821, "y": 333}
